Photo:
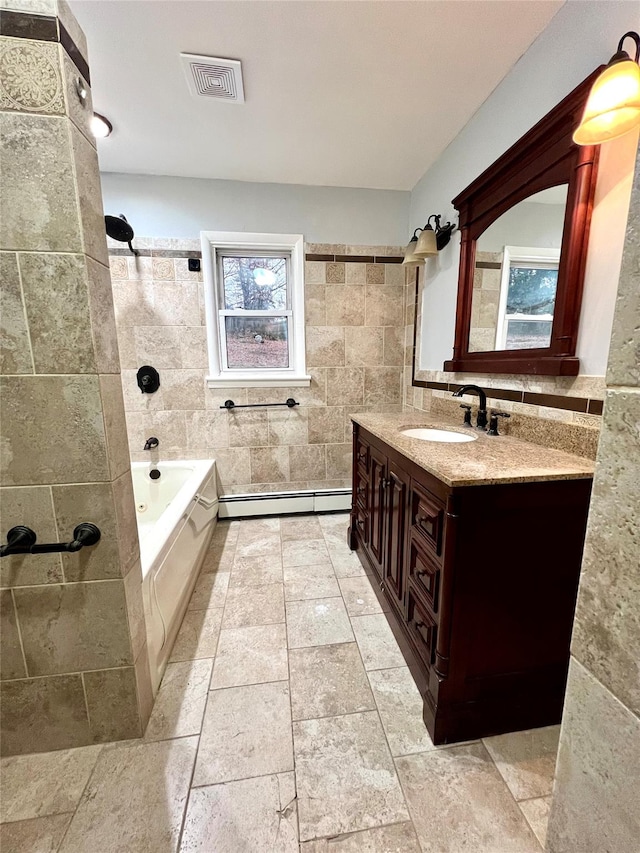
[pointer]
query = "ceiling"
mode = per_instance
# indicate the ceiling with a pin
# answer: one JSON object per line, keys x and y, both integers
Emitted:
{"x": 353, "y": 94}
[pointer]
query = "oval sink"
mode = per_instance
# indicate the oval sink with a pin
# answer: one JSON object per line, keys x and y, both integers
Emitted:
{"x": 444, "y": 435}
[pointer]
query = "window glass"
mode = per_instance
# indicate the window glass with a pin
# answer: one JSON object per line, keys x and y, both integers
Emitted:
{"x": 257, "y": 342}
{"x": 254, "y": 284}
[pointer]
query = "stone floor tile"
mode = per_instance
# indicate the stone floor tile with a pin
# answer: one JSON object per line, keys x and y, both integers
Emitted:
{"x": 378, "y": 646}
{"x": 260, "y": 605}
{"x": 317, "y": 622}
{"x": 246, "y": 732}
{"x": 179, "y": 705}
{"x": 266, "y": 544}
{"x": 210, "y": 591}
{"x": 31, "y": 783}
{"x": 526, "y": 760}
{"x": 135, "y": 799}
{"x": 345, "y": 776}
{"x": 300, "y": 527}
{"x": 334, "y": 521}
{"x": 398, "y": 838}
{"x": 256, "y": 571}
{"x": 536, "y": 812}
{"x": 39, "y": 835}
{"x": 400, "y": 708}
{"x": 218, "y": 558}
{"x": 346, "y": 563}
{"x": 359, "y": 597}
{"x": 302, "y": 582}
{"x": 198, "y": 635}
{"x": 306, "y": 552}
{"x": 251, "y": 656}
{"x": 328, "y": 681}
{"x": 459, "y": 802}
{"x": 246, "y": 816}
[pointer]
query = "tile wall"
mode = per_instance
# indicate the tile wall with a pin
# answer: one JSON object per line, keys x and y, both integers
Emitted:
{"x": 73, "y": 664}
{"x": 595, "y": 801}
{"x": 354, "y": 299}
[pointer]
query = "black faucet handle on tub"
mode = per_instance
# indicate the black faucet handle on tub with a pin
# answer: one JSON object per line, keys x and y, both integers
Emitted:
{"x": 493, "y": 422}
{"x": 150, "y": 443}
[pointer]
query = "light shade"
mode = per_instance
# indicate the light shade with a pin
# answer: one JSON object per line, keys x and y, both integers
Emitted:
{"x": 101, "y": 127}
{"x": 427, "y": 246}
{"x": 613, "y": 105}
{"x": 410, "y": 258}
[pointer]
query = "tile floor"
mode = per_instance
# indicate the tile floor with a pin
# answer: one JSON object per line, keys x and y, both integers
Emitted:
{"x": 287, "y": 722}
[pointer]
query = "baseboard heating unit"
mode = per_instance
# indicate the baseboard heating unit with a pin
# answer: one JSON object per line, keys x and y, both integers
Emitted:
{"x": 284, "y": 503}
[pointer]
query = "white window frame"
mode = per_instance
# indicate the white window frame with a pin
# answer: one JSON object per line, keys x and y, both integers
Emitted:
{"x": 220, "y": 375}
{"x": 519, "y": 255}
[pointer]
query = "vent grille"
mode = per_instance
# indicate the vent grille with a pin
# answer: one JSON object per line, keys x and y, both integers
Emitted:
{"x": 209, "y": 77}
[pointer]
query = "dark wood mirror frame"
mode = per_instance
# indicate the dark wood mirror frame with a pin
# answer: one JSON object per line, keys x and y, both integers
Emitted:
{"x": 544, "y": 157}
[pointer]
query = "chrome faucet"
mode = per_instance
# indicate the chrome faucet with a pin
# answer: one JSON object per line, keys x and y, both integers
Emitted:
{"x": 150, "y": 443}
{"x": 481, "y": 421}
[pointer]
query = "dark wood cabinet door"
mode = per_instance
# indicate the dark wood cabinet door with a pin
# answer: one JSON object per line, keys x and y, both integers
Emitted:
{"x": 377, "y": 511}
{"x": 397, "y": 501}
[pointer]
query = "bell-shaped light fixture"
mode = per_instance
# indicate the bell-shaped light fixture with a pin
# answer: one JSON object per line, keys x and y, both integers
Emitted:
{"x": 427, "y": 246}
{"x": 613, "y": 105}
{"x": 410, "y": 258}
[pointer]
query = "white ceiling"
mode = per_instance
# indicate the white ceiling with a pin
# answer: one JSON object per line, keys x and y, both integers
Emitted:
{"x": 354, "y": 94}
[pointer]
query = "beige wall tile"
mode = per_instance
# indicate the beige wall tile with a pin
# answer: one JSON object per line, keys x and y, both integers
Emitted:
{"x": 345, "y": 306}
{"x": 345, "y": 386}
{"x": 71, "y": 25}
{"x": 384, "y": 306}
{"x": 393, "y": 345}
{"x": 325, "y": 346}
{"x": 176, "y": 304}
{"x": 338, "y": 460}
{"x": 335, "y": 273}
{"x": 135, "y": 609}
{"x": 183, "y": 273}
{"x": 15, "y": 350}
{"x": 73, "y": 627}
{"x": 40, "y": 714}
{"x": 163, "y": 269}
{"x": 382, "y": 385}
{"x": 80, "y": 112}
{"x": 314, "y": 272}
{"x": 144, "y": 687}
{"x": 288, "y": 426}
{"x": 269, "y": 464}
{"x": 159, "y": 346}
{"x": 315, "y": 304}
{"x": 133, "y": 303}
{"x": 375, "y": 274}
{"x": 307, "y": 462}
{"x": 112, "y": 702}
{"x": 89, "y": 197}
{"x": 38, "y": 210}
{"x": 115, "y": 425}
{"x": 168, "y": 427}
{"x": 193, "y": 347}
{"x": 118, "y": 266}
{"x": 207, "y": 429}
{"x": 34, "y": 507}
{"x": 363, "y": 345}
{"x": 30, "y": 78}
{"x": 102, "y": 314}
{"x": 233, "y": 467}
{"x": 34, "y": 422}
{"x": 248, "y": 428}
{"x": 594, "y": 804}
{"x": 355, "y": 273}
{"x": 11, "y": 660}
{"x": 394, "y": 274}
{"x": 326, "y": 426}
{"x": 134, "y": 399}
{"x": 182, "y": 389}
{"x": 91, "y": 502}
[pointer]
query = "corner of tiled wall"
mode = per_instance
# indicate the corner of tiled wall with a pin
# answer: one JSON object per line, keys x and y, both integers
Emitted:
{"x": 72, "y": 624}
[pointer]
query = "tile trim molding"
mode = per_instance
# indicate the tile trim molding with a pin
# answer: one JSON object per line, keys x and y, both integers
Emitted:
{"x": 584, "y": 405}
{"x": 26, "y": 25}
{"x": 155, "y": 253}
{"x": 355, "y": 259}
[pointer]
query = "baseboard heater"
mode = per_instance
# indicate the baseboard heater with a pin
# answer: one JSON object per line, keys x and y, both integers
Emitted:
{"x": 284, "y": 503}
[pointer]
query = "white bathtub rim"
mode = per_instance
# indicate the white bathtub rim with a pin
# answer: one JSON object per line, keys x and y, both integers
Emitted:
{"x": 157, "y": 540}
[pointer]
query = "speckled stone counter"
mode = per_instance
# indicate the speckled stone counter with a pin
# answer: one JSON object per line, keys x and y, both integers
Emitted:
{"x": 488, "y": 459}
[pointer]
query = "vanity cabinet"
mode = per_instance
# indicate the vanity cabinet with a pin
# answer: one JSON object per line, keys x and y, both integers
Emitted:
{"x": 478, "y": 584}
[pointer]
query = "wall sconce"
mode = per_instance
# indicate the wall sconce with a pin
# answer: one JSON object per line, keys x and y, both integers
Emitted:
{"x": 429, "y": 243}
{"x": 613, "y": 105}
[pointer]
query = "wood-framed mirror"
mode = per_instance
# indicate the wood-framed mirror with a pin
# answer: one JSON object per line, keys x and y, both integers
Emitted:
{"x": 524, "y": 225}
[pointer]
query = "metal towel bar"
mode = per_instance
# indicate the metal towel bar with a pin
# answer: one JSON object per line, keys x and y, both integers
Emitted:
{"x": 229, "y": 404}
{"x": 22, "y": 540}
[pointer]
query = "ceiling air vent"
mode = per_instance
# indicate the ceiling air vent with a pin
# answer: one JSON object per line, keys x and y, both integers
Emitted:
{"x": 209, "y": 77}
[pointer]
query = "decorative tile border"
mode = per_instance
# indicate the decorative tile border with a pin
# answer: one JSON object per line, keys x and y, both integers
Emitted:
{"x": 155, "y": 253}
{"x": 356, "y": 259}
{"x": 24, "y": 25}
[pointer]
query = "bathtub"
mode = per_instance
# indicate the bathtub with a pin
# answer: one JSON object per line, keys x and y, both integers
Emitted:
{"x": 176, "y": 515}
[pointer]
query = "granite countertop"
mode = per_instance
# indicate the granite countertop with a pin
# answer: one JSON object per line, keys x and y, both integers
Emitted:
{"x": 489, "y": 459}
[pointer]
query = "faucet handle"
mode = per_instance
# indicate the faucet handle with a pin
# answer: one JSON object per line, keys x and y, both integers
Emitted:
{"x": 493, "y": 422}
{"x": 467, "y": 413}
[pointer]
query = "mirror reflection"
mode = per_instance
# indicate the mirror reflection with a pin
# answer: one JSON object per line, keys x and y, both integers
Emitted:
{"x": 516, "y": 275}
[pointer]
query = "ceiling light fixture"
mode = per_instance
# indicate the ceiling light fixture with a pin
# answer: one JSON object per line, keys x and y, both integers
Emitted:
{"x": 430, "y": 241}
{"x": 101, "y": 127}
{"x": 613, "y": 105}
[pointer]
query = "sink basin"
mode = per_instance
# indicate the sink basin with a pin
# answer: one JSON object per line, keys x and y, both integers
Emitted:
{"x": 443, "y": 435}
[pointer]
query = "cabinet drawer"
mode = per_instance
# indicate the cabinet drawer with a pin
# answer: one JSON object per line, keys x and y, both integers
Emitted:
{"x": 361, "y": 520}
{"x": 362, "y": 488}
{"x": 422, "y": 628}
{"x": 424, "y": 572}
{"x": 427, "y": 517}
{"x": 362, "y": 454}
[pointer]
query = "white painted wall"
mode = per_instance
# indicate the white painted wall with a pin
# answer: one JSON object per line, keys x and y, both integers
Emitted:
{"x": 582, "y": 36}
{"x": 182, "y": 207}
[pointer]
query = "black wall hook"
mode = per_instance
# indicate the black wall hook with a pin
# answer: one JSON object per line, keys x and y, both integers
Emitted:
{"x": 22, "y": 540}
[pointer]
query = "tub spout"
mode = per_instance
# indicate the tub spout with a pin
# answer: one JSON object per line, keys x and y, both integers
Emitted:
{"x": 151, "y": 443}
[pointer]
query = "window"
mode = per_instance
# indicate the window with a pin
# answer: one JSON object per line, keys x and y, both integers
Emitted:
{"x": 254, "y": 302}
{"x": 527, "y": 297}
